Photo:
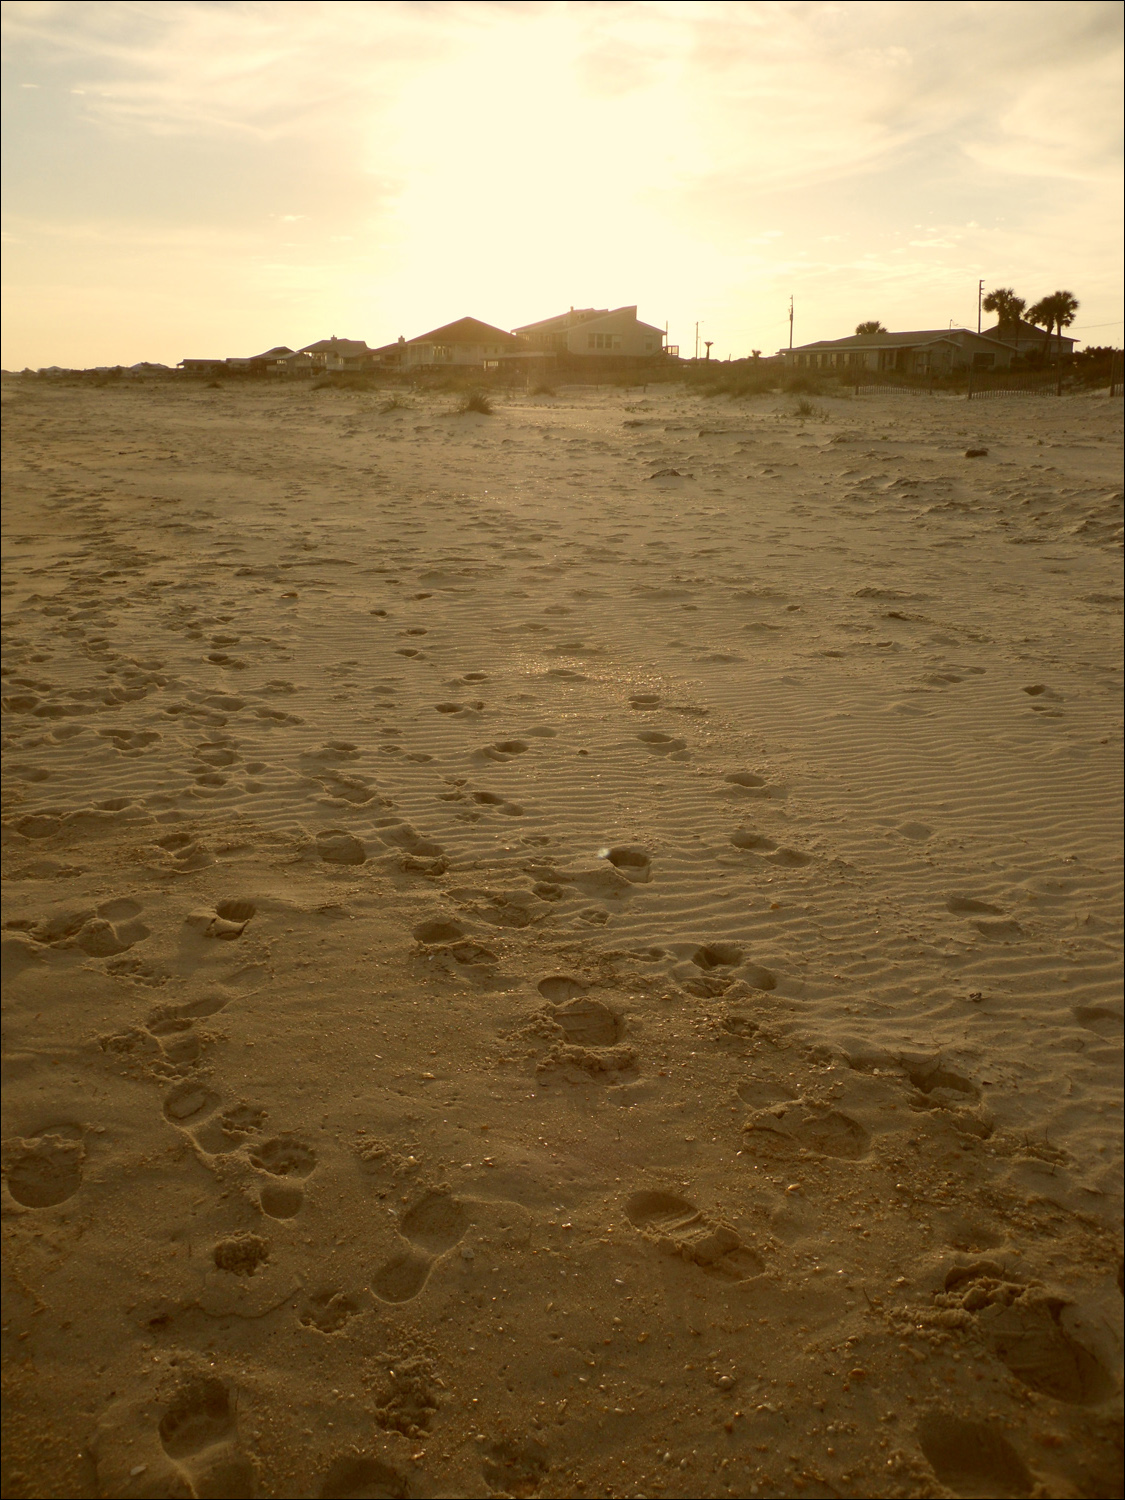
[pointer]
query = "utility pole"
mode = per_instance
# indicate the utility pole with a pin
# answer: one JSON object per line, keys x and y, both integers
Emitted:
{"x": 980, "y": 298}
{"x": 697, "y": 340}
{"x": 790, "y": 322}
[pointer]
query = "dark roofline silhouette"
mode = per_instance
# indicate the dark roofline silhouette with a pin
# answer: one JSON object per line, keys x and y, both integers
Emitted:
{"x": 464, "y": 331}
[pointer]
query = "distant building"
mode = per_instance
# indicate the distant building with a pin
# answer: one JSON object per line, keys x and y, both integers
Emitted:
{"x": 1026, "y": 338}
{"x": 259, "y": 362}
{"x": 339, "y": 355}
{"x": 467, "y": 342}
{"x": 594, "y": 331}
{"x": 933, "y": 351}
{"x": 202, "y": 366}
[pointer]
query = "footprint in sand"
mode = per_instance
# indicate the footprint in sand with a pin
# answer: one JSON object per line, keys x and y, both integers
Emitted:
{"x": 215, "y": 755}
{"x": 431, "y": 1227}
{"x": 438, "y": 930}
{"x": 789, "y": 859}
{"x": 590, "y": 1045}
{"x": 286, "y": 1159}
{"x": 1003, "y": 930}
{"x": 584, "y": 1021}
{"x": 970, "y": 906}
{"x": 501, "y": 750}
{"x": 746, "y": 838}
{"x": 404, "y": 836}
{"x": 181, "y": 853}
{"x": 333, "y": 750}
{"x": 240, "y": 1254}
{"x": 750, "y": 784}
{"x": 971, "y": 1458}
{"x": 289, "y": 1158}
{"x": 168, "y": 1034}
{"x": 676, "y": 1226}
{"x": 762, "y": 1093}
{"x": 199, "y": 1433}
{"x": 501, "y": 804}
{"x": 801, "y": 1126}
{"x": 328, "y": 1311}
{"x": 514, "y": 1468}
{"x": 358, "y": 1478}
{"x": 338, "y": 847}
{"x": 46, "y": 1169}
{"x": 128, "y": 741}
{"x": 659, "y": 743}
{"x": 1032, "y": 1333}
{"x": 226, "y": 921}
{"x": 101, "y": 931}
{"x": 633, "y": 862}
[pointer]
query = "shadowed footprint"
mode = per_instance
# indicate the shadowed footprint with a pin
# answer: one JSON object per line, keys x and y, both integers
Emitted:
{"x": 402, "y": 1277}
{"x": 747, "y": 779}
{"x": 588, "y": 1023}
{"x": 434, "y": 1224}
{"x": 678, "y": 1227}
{"x": 284, "y": 1156}
{"x": 660, "y": 743}
{"x": 970, "y": 906}
{"x": 973, "y": 1459}
{"x": 560, "y": 987}
{"x": 801, "y": 1126}
{"x": 789, "y": 859}
{"x": 632, "y": 861}
{"x": 337, "y": 847}
{"x": 438, "y": 930}
{"x": 199, "y": 1434}
{"x": 745, "y": 839}
{"x": 716, "y": 956}
{"x": 501, "y": 750}
{"x": 364, "y": 1479}
{"x": 45, "y": 1171}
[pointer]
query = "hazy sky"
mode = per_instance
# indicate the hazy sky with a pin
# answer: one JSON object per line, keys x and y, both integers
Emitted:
{"x": 187, "y": 178}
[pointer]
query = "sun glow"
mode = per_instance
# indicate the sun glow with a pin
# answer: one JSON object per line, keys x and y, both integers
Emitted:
{"x": 216, "y": 178}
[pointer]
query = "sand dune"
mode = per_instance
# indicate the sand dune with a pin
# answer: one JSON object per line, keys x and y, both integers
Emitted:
{"x": 569, "y": 952}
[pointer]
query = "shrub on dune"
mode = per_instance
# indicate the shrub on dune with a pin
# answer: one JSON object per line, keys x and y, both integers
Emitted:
{"x": 477, "y": 401}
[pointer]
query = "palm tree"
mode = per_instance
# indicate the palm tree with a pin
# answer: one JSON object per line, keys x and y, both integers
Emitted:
{"x": 1007, "y": 307}
{"x": 1064, "y": 305}
{"x": 1042, "y": 315}
{"x": 1055, "y": 311}
{"x": 874, "y": 326}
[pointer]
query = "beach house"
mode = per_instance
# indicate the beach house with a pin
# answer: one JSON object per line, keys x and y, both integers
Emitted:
{"x": 1025, "y": 338}
{"x": 467, "y": 342}
{"x": 930, "y": 351}
{"x": 594, "y": 332}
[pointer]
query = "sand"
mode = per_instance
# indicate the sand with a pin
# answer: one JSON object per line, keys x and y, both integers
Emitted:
{"x": 568, "y": 952}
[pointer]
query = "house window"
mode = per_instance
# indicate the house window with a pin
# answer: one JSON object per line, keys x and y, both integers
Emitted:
{"x": 591, "y": 341}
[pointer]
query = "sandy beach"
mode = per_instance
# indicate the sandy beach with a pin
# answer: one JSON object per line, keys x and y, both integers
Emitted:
{"x": 574, "y": 951}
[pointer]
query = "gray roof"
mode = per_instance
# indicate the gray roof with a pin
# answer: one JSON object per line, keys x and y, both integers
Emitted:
{"x": 898, "y": 340}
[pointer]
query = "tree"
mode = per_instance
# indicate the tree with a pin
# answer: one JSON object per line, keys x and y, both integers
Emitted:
{"x": 874, "y": 326}
{"x": 1055, "y": 311}
{"x": 1007, "y": 307}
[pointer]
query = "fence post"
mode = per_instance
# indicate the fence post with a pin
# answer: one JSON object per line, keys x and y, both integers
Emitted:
{"x": 969, "y": 391}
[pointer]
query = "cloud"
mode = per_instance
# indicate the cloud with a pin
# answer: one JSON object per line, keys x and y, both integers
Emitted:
{"x": 702, "y": 157}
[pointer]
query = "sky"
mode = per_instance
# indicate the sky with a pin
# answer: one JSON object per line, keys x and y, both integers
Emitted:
{"x": 212, "y": 177}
